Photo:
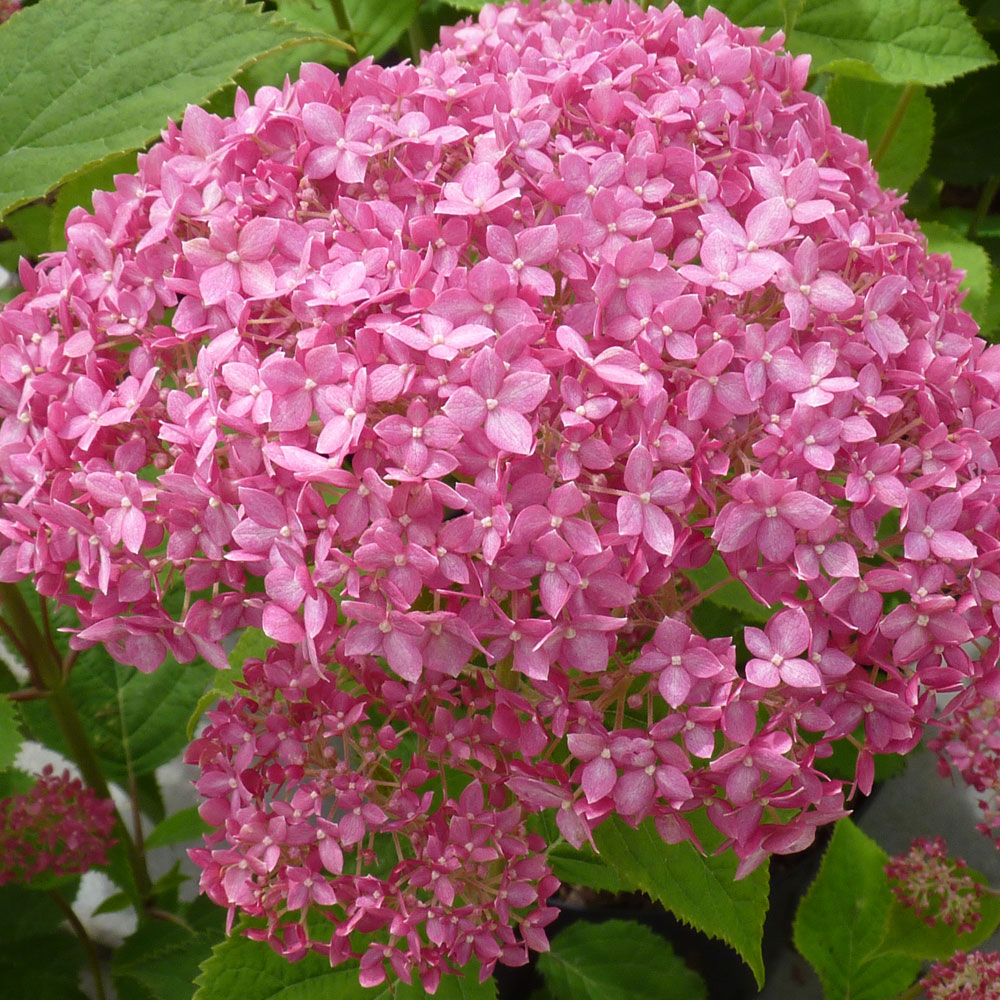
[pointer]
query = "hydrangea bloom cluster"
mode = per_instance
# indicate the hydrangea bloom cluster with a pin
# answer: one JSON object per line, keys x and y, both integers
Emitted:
{"x": 58, "y": 827}
{"x": 973, "y": 976}
{"x": 937, "y": 888}
{"x": 476, "y": 385}
{"x": 968, "y": 741}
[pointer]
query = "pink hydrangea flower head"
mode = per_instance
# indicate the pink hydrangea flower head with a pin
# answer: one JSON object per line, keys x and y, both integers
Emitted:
{"x": 485, "y": 389}
{"x": 56, "y": 828}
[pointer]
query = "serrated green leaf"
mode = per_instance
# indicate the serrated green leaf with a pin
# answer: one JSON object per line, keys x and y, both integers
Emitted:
{"x": 965, "y": 142}
{"x": 182, "y": 827}
{"x": 732, "y": 595}
{"x": 160, "y": 961}
{"x": 584, "y": 867}
{"x": 699, "y": 890}
{"x": 250, "y": 970}
{"x": 842, "y": 919}
{"x": 967, "y": 256}
{"x": 10, "y": 732}
{"x": 84, "y": 80}
{"x": 616, "y": 960}
{"x": 578, "y": 867}
{"x": 896, "y": 41}
{"x": 866, "y": 110}
{"x": 38, "y": 958}
{"x": 375, "y": 25}
{"x": 135, "y": 721}
{"x": 30, "y": 226}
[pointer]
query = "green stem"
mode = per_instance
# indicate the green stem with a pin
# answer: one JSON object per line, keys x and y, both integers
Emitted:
{"x": 898, "y": 114}
{"x": 986, "y": 197}
{"x": 340, "y": 12}
{"x": 48, "y": 675}
{"x": 85, "y": 939}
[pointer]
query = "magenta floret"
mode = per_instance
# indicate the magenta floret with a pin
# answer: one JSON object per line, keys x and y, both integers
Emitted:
{"x": 452, "y": 378}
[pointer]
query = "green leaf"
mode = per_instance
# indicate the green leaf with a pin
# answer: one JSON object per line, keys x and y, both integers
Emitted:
{"x": 896, "y": 41}
{"x": 967, "y": 256}
{"x": 10, "y": 732}
{"x": 733, "y": 595}
{"x": 182, "y": 827}
{"x": 866, "y": 109}
{"x": 252, "y": 644}
{"x": 965, "y": 144}
{"x": 842, "y": 920}
{"x": 83, "y": 80}
{"x": 38, "y": 958}
{"x": 578, "y": 867}
{"x": 616, "y": 960}
{"x": 250, "y": 970}
{"x": 375, "y": 24}
{"x": 30, "y": 226}
{"x": 160, "y": 962}
{"x": 700, "y": 890}
{"x": 135, "y": 721}
{"x": 584, "y": 867}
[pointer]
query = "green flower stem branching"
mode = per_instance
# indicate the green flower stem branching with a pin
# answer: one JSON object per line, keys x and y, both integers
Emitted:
{"x": 85, "y": 939}
{"x": 340, "y": 12}
{"x": 898, "y": 114}
{"x": 48, "y": 675}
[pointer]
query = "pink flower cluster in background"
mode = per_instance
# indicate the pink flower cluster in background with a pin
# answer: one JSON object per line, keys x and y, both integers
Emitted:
{"x": 936, "y": 887}
{"x": 58, "y": 827}
{"x": 478, "y": 386}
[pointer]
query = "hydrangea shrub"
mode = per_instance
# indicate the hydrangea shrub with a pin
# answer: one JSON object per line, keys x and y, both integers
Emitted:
{"x": 486, "y": 389}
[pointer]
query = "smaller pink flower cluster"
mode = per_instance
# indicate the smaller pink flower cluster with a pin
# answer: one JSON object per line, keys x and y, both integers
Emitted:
{"x": 335, "y": 802}
{"x": 968, "y": 741}
{"x": 937, "y": 888}
{"x": 58, "y": 827}
{"x": 974, "y": 976}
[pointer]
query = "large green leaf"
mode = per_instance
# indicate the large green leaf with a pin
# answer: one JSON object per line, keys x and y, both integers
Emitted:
{"x": 84, "y": 80}
{"x": 250, "y": 970}
{"x": 616, "y": 960}
{"x": 866, "y": 109}
{"x": 897, "y": 41}
{"x": 700, "y": 890}
{"x": 375, "y": 24}
{"x": 965, "y": 144}
{"x": 182, "y": 827}
{"x": 841, "y": 922}
{"x": 160, "y": 962}
{"x": 967, "y": 256}
{"x": 135, "y": 721}
{"x": 578, "y": 867}
{"x": 38, "y": 958}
